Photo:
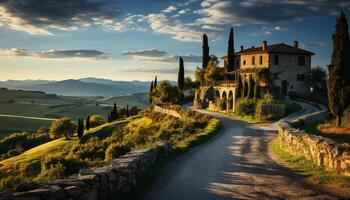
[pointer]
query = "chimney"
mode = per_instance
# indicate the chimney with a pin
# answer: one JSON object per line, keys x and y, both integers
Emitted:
{"x": 295, "y": 44}
{"x": 264, "y": 46}
{"x": 242, "y": 48}
{"x": 253, "y": 47}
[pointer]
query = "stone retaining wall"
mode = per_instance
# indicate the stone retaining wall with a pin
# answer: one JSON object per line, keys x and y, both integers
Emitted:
{"x": 166, "y": 111}
{"x": 323, "y": 151}
{"x": 114, "y": 181}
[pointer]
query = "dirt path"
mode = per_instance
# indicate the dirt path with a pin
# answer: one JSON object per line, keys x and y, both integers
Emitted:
{"x": 235, "y": 164}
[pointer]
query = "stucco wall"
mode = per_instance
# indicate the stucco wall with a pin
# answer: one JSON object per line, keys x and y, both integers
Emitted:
{"x": 248, "y": 60}
{"x": 290, "y": 69}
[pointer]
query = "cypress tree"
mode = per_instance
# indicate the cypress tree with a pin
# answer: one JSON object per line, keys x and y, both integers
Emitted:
{"x": 230, "y": 53}
{"x": 127, "y": 110}
{"x": 80, "y": 128}
{"x": 150, "y": 93}
{"x": 115, "y": 111}
{"x": 205, "y": 57}
{"x": 239, "y": 87}
{"x": 155, "y": 83}
{"x": 257, "y": 90}
{"x": 181, "y": 75}
{"x": 338, "y": 83}
{"x": 87, "y": 123}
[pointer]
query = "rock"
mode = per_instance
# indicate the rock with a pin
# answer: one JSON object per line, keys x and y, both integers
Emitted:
{"x": 5, "y": 194}
{"x": 73, "y": 191}
{"x": 111, "y": 176}
{"x": 87, "y": 196}
{"x": 26, "y": 187}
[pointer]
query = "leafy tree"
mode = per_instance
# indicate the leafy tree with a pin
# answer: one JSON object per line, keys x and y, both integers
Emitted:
{"x": 62, "y": 127}
{"x": 87, "y": 123}
{"x": 338, "y": 83}
{"x": 134, "y": 110}
{"x": 230, "y": 53}
{"x": 199, "y": 75}
{"x": 181, "y": 75}
{"x": 189, "y": 84}
{"x": 214, "y": 59}
{"x": 205, "y": 57}
{"x": 212, "y": 73}
{"x": 251, "y": 87}
{"x": 166, "y": 93}
{"x": 318, "y": 80}
{"x": 97, "y": 120}
{"x": 257, "y": 89}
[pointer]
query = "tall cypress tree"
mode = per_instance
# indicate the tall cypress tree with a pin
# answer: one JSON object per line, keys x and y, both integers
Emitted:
{"x": 230, "y": 53}
{"x": 150, "y": 93}
{"x": 151, "y": 88}
{"x": 127, "y": 110}
{"x": 87, "y": 123}
{"x": 181, "y": 75}
{"x": 80, "y": 128}
{"x": 155, "y": 83}
{"x": 205, "y": 57}
{"x": 252, "y": 87}
{"x": 115, "y": 112}
{"x": 338, "y": 83}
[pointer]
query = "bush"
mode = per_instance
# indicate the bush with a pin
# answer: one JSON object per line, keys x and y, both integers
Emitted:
{"x": 97, "y": 120}
{"x": 62, "y": 127}
{"x": 116, "y": 150}
{"x": 245, "y": 107}
{"x": 166, "y": 93}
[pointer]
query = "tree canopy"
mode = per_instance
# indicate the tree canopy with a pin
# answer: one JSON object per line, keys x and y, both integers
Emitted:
{"x": 62, "y": 127}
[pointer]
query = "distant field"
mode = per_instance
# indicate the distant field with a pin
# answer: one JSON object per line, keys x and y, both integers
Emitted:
{"x": 137, "y": 99}
{"x": 10, "y": 125}
{"x": 38, "y": 104}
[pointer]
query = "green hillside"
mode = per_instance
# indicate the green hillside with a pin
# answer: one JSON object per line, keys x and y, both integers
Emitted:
{"x": 137, "y": 99}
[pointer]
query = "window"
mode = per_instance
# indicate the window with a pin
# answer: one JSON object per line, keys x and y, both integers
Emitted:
{"x": 261, "y": 60}
{"x": 253, "y": 60}
{"x": 301, "y": 60}
{"x": 244, "y": 62}
{"x": 277, "y": 59}
{"x": 301, "y": 77}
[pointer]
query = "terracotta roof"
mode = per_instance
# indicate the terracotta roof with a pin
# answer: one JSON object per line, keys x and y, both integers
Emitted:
{"x": 275, "y": 48}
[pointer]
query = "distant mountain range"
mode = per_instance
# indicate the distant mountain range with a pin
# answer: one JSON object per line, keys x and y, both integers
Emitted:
{"x": 79, "y": 87}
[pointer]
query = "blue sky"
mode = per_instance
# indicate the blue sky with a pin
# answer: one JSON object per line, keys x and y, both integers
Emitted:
{"x": 136, "y": 39}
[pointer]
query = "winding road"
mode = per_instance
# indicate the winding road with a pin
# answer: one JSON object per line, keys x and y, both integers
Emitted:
{"x": 234, "y": 164}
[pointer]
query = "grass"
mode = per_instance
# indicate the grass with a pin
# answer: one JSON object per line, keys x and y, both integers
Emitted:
{"x": 313, "y": 172}
{"x": 10, "y": 125}
{"x": 27, "y": 162}
{"x": 314, "y": 130}
{"x": 137, "y": 99}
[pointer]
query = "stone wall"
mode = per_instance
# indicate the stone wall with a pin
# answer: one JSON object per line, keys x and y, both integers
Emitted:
{"x": 166, "y": 111}
{"x": 115, "y": 181}
{"x": 323, "y": 151}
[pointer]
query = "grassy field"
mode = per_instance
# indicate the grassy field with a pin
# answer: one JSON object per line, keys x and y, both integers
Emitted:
{"x": 10, "y": 125}
{"x": 311, "y": 170}
{"x": 38, "y": 104}
{"x": 137, "y": 99}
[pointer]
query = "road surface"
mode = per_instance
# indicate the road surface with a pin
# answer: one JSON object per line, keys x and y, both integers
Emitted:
{"x": 235, "y": 164}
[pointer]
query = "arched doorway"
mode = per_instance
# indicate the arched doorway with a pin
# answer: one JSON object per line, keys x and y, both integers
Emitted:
{"x": 224, "y": 101}
{"x": 284, "y": 88}
{"x": 230, "y": 100}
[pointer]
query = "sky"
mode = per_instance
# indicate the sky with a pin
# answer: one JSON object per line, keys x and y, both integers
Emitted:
{"x": 138, "y": 39}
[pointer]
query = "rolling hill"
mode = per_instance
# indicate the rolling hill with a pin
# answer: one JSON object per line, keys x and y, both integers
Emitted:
{"x": 81, "y": 87}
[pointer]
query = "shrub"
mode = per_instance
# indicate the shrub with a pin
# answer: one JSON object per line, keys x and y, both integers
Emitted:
{"x": 166, "y": 93}
{"x": 62, "y": 127}
{"x": 245, "y": 107}
{"x": 97, "y": 120}
{"x": 52, "y": 172}
{"x": 116, "y": 150}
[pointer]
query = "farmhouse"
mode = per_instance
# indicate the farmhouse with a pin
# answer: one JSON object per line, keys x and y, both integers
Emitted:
{"x": 280, "y": 68}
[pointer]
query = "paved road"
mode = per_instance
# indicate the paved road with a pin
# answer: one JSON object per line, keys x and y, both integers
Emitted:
{"x": 235, "y": 164}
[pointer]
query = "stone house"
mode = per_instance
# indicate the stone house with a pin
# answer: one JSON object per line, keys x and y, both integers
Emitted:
{"x": 291, "y": 64}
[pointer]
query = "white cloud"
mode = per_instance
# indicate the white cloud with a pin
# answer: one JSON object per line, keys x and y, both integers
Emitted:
{"x": 55, "y": 54}
{"x": 169, "y": 9}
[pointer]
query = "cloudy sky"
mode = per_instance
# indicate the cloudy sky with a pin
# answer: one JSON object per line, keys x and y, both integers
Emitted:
{"x": 136, "y": 39}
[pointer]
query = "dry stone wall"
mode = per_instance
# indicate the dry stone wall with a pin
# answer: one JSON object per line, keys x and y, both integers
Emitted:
{"x": 115, "y": 181}
{"x": 166, "y": 111}
{"x": 323, "y": 151}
